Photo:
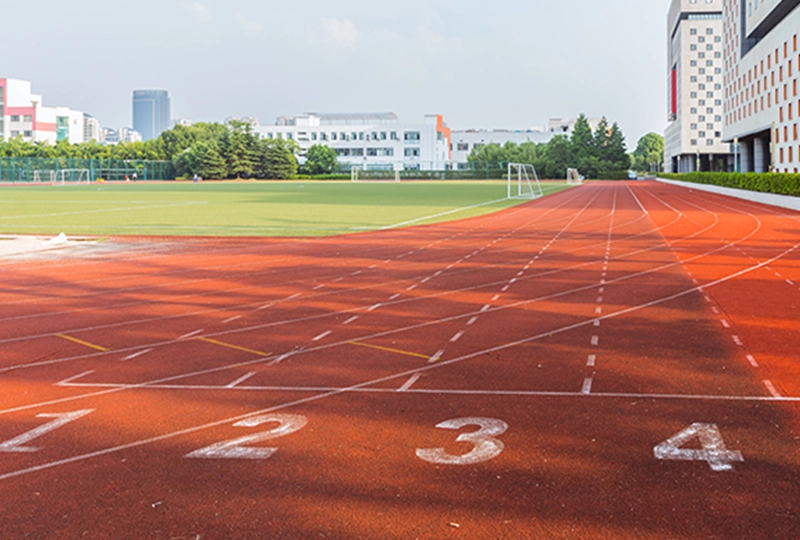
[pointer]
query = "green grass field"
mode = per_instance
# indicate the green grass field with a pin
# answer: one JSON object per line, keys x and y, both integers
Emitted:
{"x": 300, "y": 208}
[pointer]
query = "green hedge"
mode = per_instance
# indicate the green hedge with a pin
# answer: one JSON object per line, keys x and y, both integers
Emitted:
{"x": 780, "y": 183}
{"x": 612, "y": 175}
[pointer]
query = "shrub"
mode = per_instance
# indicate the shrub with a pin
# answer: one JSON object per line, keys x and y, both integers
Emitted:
{"x": 779, "y": 183}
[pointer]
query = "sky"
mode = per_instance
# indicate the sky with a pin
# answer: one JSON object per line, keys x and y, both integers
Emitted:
{"x": 505, "y": 64}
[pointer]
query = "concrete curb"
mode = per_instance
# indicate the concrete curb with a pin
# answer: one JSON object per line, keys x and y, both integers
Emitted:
{"x": 771, "y": 199}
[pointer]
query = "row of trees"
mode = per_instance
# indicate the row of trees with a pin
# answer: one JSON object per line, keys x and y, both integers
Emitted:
{"x": 592, "y": 153}
{"x": 233, "y": 150}
{"x": 210, "y": 150}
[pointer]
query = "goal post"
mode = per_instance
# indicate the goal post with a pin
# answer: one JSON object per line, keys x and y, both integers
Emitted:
{"x": 73, "y": 176}
{"x": 574, "y": 177}
{"x": 523, "y": 182}
{"x": 44, "y": 176}
{"x": 359, "y": 174}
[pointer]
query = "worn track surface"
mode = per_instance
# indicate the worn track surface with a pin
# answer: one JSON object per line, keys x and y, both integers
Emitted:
{"x": 615, "y": 361}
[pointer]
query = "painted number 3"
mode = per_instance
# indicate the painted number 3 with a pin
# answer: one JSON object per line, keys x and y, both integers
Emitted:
{"x": 486, "y": 446}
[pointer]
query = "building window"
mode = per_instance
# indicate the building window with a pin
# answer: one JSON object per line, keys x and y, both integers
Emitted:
{"x": 411, "y": 152}
{"x": 412, "y": 136}
{"x": 27, "y": 118}
{"x": 28, "y": 133}
{"x": 463, "y": 147}
{"x": 15, "y": 118}
{"x": 693, "y": 142}
{"x": 393, "y": 136}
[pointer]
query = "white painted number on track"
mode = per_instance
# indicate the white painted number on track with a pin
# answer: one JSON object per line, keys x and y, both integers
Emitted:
{"x": 486, "y": 446}
{"x": 236, "y": 449}
{"x": 16, "y": 444}
{"x": 714, "y": 452}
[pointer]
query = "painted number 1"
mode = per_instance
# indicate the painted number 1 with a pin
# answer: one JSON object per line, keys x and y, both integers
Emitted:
{"x": 486, "y": 446}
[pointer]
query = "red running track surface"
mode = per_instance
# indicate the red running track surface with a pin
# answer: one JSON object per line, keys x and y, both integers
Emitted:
{"x": 615, "y": 361}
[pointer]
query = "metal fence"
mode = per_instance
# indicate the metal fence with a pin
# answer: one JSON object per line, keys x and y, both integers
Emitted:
{"x": 40, "y": 170}
{"x": 475, "y": 170}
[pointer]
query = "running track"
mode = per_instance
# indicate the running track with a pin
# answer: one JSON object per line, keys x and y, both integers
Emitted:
{"x": 615, "y": 361}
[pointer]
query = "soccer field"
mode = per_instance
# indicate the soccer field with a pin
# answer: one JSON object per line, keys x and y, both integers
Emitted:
{"x": 300, "y": 208}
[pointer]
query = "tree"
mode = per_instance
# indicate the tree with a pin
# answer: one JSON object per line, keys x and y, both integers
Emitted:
{"x": 558, "y": 157}
{"x": 320, "y": 159}
{"x": 277, "y": 159}
{"x": 649, "y": 152}
{"x": 240, "y": 149}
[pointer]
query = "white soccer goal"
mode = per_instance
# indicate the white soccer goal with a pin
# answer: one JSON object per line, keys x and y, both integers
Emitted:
{"x": 73, "y": 176}
{"x": 574, "y": 177}
{"x": 523, "y": 182}
{"x": 358, "y": 174}
{"x": 44, "y": 176}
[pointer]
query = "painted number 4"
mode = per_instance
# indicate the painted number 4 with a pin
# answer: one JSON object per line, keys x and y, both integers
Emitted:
{"x": 713, "y": 451}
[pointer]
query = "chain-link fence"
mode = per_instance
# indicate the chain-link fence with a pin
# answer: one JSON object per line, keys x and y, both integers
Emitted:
{"x": 46, "y": 170}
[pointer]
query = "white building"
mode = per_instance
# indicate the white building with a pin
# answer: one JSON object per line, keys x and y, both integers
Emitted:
{"x": 91, "y": 129}
{"x": 761, "y": 73}
{"x": 123, "y": 134}
{"x": 23, "y": 115}
{"x": 465, "y": 141}
{"x": 694, "y": 137}
{"x": 370, "y": 141}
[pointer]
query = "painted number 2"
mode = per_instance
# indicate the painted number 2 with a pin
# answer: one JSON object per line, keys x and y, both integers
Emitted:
{"x": 486, "y": 446}
{"x": 714, "y": 452}
{"x": 236, "y": 449}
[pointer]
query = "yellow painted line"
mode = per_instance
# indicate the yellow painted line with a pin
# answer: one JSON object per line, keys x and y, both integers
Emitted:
{"x": 235, "y": 347}
{"x": 387, "y": 349}
{"x": 84, "y": 343}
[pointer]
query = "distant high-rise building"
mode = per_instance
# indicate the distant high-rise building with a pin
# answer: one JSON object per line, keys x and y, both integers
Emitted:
{"x": 151, "y": 112}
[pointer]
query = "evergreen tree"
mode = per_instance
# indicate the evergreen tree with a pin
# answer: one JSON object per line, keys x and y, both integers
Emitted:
{"x": 239, "y": 149}
{"x": 278, "y": 160}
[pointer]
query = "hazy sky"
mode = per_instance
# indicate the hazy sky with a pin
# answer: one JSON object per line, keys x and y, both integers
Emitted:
{"x": 499, "y": 64}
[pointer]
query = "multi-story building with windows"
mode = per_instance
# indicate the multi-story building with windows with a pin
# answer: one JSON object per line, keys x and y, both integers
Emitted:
{"x": 761, "y": 77}
{"x": 23, "y": 115}
{"x": 151, "y": 113}
{"x": 370, "y": 141}
{"x": 694, "y": 137}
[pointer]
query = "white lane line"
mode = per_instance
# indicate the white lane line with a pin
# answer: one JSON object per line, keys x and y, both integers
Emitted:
{"x": 75, "y": 378}
{"x": 772, "y": 390}
{"x": 592, "y": 360}
{"x": 514, "y": 280}
{"x": 587, "y": 386}
{"x": 708, "y": 298}
{"x": 240, "y": 380}
{"x": 715, "y": 310}
{"x": 318, "y": 287}
{"x": 599, "y": 299}
{"x": 190, "y": 334}
{"x": 595, "y": 340}
{"x": 351, "y": 320}
{"x": 295, "y": 295}
{"x": 436, "y": 357}
{"x": 410, "y": 382}
{"x": 602, "y": 290}
{"x": 323, "y": 335}
{"x": 790, "y": 282}
{"x": 495, "y": 297}
{"x": 458, "y": 336}
{"x": 412, "y": 287}
{"x": 725, "y": 323}
{"x": 737, "y": 340}
{"x": 598, "y": 310}
{"x": 752, "y": 360}
{"x": 266, "y": 306}
{"x": 472, "y": 321}
{"x": 486, "y": 308}
{"x": 376, "y": 306}
{"x": 136, "y": 355}
{"x": 597, "y": 323}
{"x": 505, "y": 289}
{"x": 235, "y": 318}
{"x": 337, "y": 280}
{"x": 427, "y": 279}
{"x": 394, "y": 297}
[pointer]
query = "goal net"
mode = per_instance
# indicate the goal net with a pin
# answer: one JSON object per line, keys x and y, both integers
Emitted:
{"x": 73, "y": 176}
{"x": 358, "y": 174}
{"x": 574, "y": 177}
{"x": 44, "y": 176}
{"x": 523, "y": 182}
